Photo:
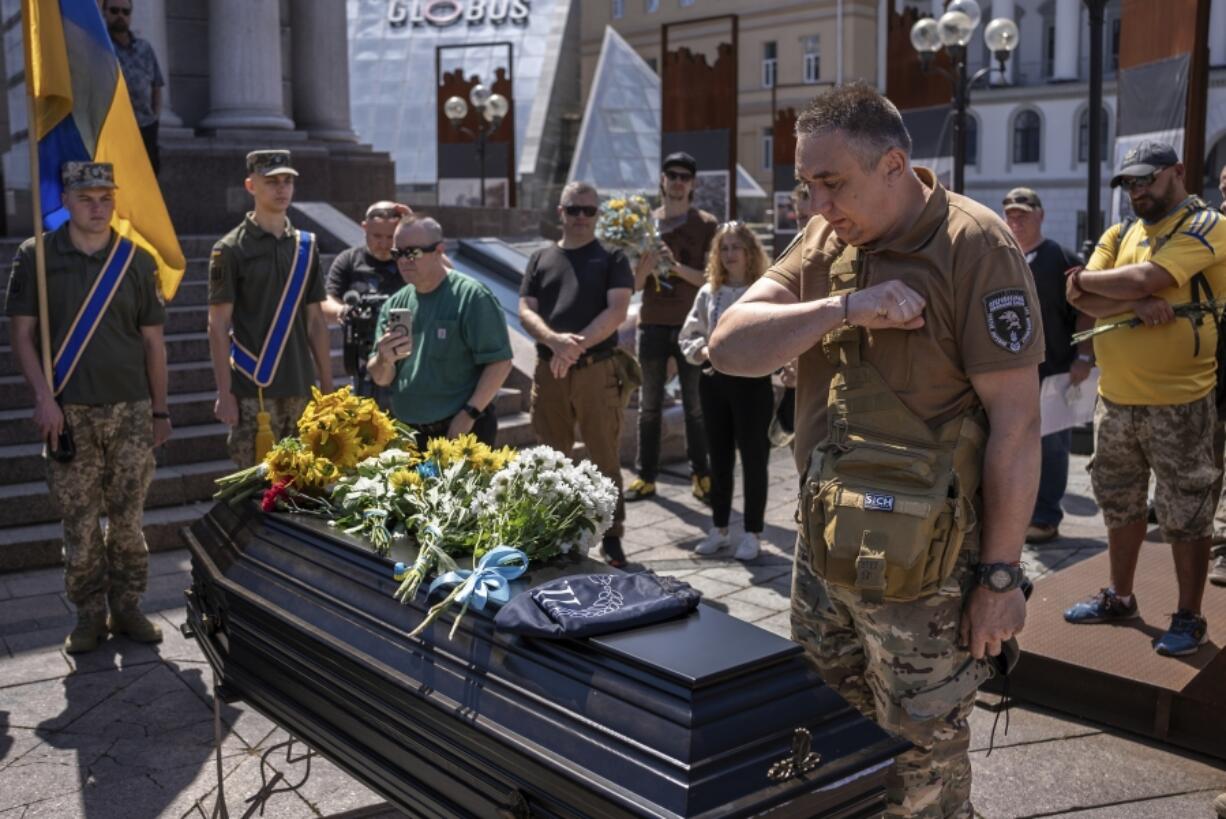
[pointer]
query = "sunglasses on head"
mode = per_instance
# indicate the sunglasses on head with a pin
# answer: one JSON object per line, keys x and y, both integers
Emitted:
{"x": 1019, "y": 200}
{"x": 1129, "y": 183}
{"x": 678, "y": 176}
{"x": 119, "y": 11}
{"x": 412, "y": 254}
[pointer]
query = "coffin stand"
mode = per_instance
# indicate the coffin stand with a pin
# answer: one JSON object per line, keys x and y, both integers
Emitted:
{"x": 705, "y": 716}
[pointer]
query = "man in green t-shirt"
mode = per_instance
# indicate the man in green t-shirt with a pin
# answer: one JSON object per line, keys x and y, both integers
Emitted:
{"x": 107, "y": 411}
{"x": 446, "y": 372}
{"x": 248, "y": 275}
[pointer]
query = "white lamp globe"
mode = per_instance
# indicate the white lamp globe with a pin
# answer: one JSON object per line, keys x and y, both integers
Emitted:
{"x": 496, "y": 107}
{"x": 955, "y": 29}
{"x": 924, "y": 36}
{"x": 479, "y": 95}
{"x": 1001, "y": 35}
{"x": 968, "y": 7}
{"x": 455, "y": 108}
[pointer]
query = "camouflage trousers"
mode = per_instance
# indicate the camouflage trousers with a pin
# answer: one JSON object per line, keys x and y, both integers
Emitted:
{"x": 283, "y": 414}
{"x": 1173, "y": 441}
{"x": 900, "y": 665}
{"x": 109, "y": 476}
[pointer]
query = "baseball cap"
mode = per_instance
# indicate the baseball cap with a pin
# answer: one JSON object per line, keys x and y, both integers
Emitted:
{"x": 1145, "y": 158}
{"x": 270, "y": 162}
{"x": 81, "y": 175}
{"x": 682, "y": 159}
{"x": 1022, "y": 199}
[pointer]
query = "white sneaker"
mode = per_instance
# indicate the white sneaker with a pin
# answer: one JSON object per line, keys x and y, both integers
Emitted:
{"x": 715, "y": 540}
{"x": 747, "y": 546}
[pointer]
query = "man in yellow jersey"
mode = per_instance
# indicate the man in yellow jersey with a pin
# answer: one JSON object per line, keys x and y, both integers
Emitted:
{"x": 1156, "y": 409}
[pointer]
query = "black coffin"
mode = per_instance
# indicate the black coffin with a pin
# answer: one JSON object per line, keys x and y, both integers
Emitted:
{"x": 685, "y": 718}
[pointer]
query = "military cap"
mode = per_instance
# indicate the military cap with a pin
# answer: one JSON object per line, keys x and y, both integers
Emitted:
{"x": 1022, "y": 199}
{"x": 270, "y": 162}
{"x": 78, "y": 175}
{"x": 1145, "y": 158}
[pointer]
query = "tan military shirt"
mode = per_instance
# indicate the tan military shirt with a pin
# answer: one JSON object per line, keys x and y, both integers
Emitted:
{"x": 982, "y": 312}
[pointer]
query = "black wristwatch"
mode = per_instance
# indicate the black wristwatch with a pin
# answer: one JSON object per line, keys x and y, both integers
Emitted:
{"x": 161, "y": 416}
{"x": 1000, "y": 577}
{"x": 472, "y": 411}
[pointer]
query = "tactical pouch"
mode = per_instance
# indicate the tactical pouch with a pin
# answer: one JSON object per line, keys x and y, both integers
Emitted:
{"x": 887, "y": 502}
{"x": 629, "y": 374}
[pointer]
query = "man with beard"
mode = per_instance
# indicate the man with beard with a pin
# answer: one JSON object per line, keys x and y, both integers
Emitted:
{"x": 140, "y": 73}
{"x": 667, "y": 298}
{"x": 1156, "y": 410}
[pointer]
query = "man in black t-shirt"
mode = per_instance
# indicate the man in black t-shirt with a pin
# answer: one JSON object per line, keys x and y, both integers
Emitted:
{"x": 1049, "y": 262}
{"x": 366, "y": 270}
{"x": 573, "y": 298}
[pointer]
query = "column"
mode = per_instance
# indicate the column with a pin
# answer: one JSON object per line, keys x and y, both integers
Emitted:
{"x": 320, "y": 57}
{"x": 1002, "y": 8}
{"x": 149, "y": 23}
{"x": 1068, "y": 41}
{"x": 245, "y": 65}
{"x": 1217, "y": 33}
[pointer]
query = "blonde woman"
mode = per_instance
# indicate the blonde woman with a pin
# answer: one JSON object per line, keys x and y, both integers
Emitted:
{"x": 737, "y": 411}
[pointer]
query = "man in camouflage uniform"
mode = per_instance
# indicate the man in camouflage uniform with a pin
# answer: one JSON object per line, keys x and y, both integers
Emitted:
{"x": 247, "y": 274}
{"x": 114, "y": 403}
{"x": 938, "y": 298}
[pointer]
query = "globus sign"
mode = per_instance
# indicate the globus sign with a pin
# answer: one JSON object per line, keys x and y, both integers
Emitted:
{"x": 443, "y": 13}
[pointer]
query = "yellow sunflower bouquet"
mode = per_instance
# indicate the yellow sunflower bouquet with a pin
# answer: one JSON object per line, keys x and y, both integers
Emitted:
{"x": 626, "y": 224}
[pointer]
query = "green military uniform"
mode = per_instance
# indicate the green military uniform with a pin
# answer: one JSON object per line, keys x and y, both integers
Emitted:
{"x": 106, "y": 403}
{"x": 249, "y": 268}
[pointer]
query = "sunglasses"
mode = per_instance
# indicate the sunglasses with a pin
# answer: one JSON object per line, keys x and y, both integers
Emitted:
{"x": 678, "y": 176}
{"x": 576, "y": 210}
{"x": 1130, "y": 183}
{"x": 412, "y": 254}
{"x": 119, "y": 11}
{"x": 1020, "y": 200}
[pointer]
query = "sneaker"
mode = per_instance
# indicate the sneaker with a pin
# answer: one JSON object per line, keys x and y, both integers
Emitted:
{"x": 715, "y": 540}
{"x": 1217, "y": 571}
{"x": 1104, "y": 607}
{"x": 748, "y": 546}
{"x": 779, "y": 437}
{"x": 640, "y": 489}
{"x": 90, "y": 631}
{"x": 134, "y": 624}
{"x": 700, "y": 485}
{"x": 1188, "y": 632}
{"x": 1041, "y": 533}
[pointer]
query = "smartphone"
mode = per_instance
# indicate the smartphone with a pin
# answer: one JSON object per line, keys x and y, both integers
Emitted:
{"x": 66, "y": 448}
{"x": 400, "y": 320}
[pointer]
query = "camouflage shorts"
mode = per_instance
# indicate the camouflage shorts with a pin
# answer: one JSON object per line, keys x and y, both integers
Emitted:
{"x": 900, "y": 665}
{"x": 283, "y": 414}
{"x": 1173, "y": 441}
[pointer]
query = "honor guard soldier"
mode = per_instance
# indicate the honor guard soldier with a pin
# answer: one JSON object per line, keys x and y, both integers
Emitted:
{"x": 105, "y": 411}
{"x": 265, "y": 320}
{"x": 917, "y": 429}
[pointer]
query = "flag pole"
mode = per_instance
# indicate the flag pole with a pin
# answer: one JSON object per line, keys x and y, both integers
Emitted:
{"x": 40, "y": 262}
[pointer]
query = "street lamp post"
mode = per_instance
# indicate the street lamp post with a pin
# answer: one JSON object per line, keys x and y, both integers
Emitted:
{"x": 953, "y": 32}
{"x": 491, "y": 108}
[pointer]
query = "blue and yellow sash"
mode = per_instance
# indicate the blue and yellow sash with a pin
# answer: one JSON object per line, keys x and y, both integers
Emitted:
{"x": 263, "y": 369}
{"x": 90, "y": 314}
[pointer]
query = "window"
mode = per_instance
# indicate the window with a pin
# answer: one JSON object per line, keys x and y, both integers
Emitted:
{"x": 770, "y": 63}
{"x": 1114, "y": 64}
{"x": 1049, "y": 51}
{"x": 651, "y": 6}
{"x": 768, "y": 148}
{"x": 1083, "y": 137}
{"x": 972, "y": 140}
{"x": 1027, "y": 136}
{"x": 619, "y": 9}
{"x": 813, "y": 58}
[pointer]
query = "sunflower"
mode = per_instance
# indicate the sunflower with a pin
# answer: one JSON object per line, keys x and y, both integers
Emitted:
{"x": 335, "y": 443}
{"x": 405, "y": 479}
{"x": 373, "y": 428}
{"x": 439, "y": 450}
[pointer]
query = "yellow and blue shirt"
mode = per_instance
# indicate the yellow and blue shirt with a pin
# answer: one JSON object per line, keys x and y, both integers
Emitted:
{"x": 1163, "y": 365}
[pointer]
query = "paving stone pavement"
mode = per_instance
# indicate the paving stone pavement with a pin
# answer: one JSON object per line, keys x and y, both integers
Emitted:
{"x": 127, "y": 731}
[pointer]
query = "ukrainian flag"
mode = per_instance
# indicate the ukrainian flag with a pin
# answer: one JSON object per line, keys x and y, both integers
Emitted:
{"x": 82, "y": 112}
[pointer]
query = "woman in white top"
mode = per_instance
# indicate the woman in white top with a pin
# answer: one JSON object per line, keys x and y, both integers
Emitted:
{"x": 736, "y": 411}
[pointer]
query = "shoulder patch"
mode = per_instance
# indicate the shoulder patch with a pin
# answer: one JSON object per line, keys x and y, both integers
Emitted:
{"x": 1007, "y": 312}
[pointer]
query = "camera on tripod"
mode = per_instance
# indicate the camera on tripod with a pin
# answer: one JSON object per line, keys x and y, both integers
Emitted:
{"x": 359, "y": 320}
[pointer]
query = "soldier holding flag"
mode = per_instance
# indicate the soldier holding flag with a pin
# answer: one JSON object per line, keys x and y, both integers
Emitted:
{"x": 105, "y": 410}
{"x": 265, "y": 318}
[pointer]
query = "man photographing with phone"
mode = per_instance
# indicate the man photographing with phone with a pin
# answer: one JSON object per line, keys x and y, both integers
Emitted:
{"x": 441, "y": 341}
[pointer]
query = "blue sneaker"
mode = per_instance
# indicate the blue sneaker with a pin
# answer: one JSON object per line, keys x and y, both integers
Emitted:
{"x": 1188, "y": 633}
{"x": 1104, "y": 607}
